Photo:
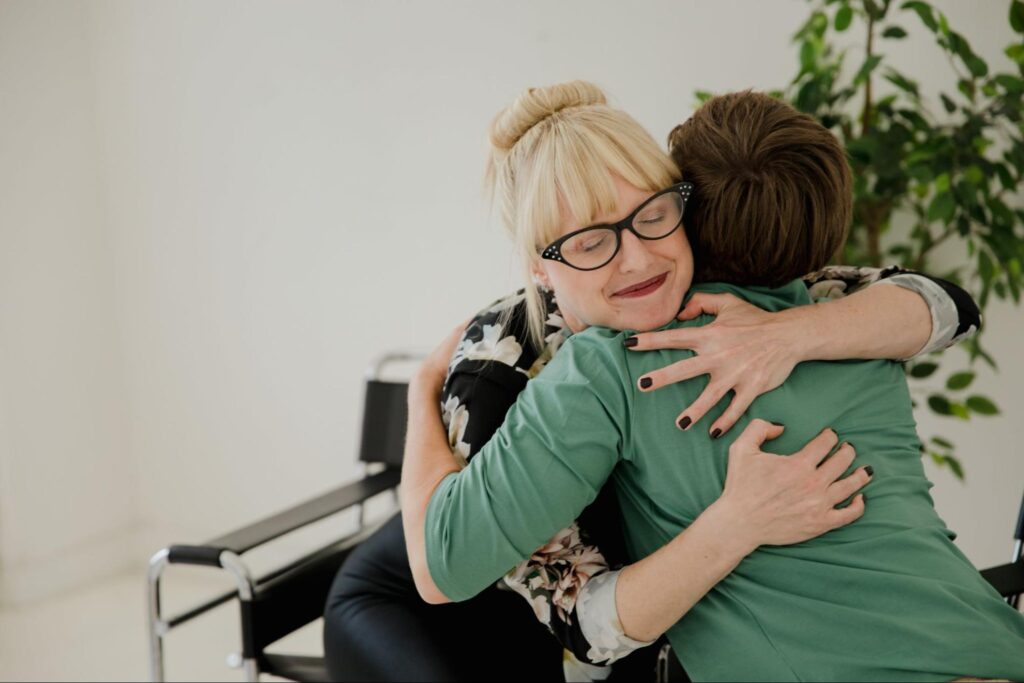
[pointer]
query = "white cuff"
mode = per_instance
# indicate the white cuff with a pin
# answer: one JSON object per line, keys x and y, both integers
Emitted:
{"x": 599, "y": 620}
{"x": 945, "y": 318}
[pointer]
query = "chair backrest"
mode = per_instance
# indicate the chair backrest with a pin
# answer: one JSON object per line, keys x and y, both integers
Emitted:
{"x": 384, "y": 417}
{"x": 385, "y": 413}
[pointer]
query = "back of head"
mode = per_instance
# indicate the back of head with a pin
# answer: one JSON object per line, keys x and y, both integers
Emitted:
{"x": 556, "y": 149}
{"x": 773, "y": 190}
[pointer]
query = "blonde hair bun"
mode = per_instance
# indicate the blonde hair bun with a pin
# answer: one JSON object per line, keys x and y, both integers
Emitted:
{"x": 538, "y": 104}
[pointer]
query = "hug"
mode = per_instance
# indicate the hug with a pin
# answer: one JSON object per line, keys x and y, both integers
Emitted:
{"x": 664, "y": 435}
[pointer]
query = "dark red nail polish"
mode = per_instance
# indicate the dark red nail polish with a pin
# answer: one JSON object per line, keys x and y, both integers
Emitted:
{"x": 630, "y": 342}
{"x": 646, "y": 382}
{"x": 684, "y": 422}
{"x": 869, "y": 469}
{"x": 716, "y": 433}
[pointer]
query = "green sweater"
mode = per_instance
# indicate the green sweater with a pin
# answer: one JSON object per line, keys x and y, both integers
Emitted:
{"x": 889, "y": 597}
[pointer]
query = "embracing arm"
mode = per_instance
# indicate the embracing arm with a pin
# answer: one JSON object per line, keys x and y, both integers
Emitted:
{"x": 749, "y": 351}
{"x": 533, "y": 478}
{"x": 426, "y": 462}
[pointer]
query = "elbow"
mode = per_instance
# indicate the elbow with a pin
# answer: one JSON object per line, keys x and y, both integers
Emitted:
{"x": 425, "y": 586}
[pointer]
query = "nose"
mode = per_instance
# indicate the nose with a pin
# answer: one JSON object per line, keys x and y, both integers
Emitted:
{"x": 634, "y": 254}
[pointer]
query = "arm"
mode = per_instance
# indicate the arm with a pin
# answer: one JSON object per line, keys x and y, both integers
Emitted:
{"x": 427, "y": 460}
{"x": 768, "y": 499}
{"x": 750, "y": 352}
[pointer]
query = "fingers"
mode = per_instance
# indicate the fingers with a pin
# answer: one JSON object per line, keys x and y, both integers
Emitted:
{"x": 679, "y": 338}
{"x": 818, "y": 448}
{"x": 755, "y": 434}
{"x": 702, "y": 303}
{"x": 848, "y": 514}
{"x": 707, "y": 400}
{"x": 740, "y": 402}
{"x": 676, "y": 372}
{"x": 846, "y": 487}
{"x": 840, "y": 461}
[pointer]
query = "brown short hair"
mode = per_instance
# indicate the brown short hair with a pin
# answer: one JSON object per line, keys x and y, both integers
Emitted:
{"x": 773, "y": 190}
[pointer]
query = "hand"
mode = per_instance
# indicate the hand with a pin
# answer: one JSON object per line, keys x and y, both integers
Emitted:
{"x": 745, "y": 349}
{"x": 780, "y": 500}
{"x": 432, "y": 372}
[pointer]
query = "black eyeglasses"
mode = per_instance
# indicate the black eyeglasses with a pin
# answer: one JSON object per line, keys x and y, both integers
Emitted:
{"x": 594, "y": 247}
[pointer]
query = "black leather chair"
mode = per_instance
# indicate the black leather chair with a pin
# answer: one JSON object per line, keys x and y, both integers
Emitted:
{"x": 286, "y": 599}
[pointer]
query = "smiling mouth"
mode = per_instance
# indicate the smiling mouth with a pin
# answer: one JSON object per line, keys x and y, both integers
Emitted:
{"x": 643, "y": 288}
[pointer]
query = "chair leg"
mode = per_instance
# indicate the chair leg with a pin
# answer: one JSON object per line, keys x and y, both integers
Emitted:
{"x": 157, "y": 627}
{"x": 243, "y": 580}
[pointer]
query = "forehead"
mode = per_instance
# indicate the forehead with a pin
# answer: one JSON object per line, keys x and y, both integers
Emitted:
{"x": 615, "y": 206}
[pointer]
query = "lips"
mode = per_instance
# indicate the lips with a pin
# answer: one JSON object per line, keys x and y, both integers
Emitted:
{"x": 643, "y": 288}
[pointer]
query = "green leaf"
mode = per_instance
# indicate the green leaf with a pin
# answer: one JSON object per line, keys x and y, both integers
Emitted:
{"x": 949, "y": 104}
{"x": 866, "y": 68}
{"x": 942, "y": 207}
{"x": 808, "y": 56}
{"x": 894, "y": 32}
{"x": 922, "y": 370}
{"x": 904, "y": 84}
{"x": 966, "y": 87}
{"x": 982, "y": 405}
{"x": 924, "y": 10}
{"x": 977, "y": 66}
{"x": 1016, "y": 53}
{"x": 1011, "y": 84}
{"x": 959, "y": 410}
{"x": 939, "y": 441}
{"x": 955, "y": 467}
{"x": 986, "y": 268}
{"x": 1017, "y": 16}
{"x": 940, "y": 404}
{"x": 843, "y": 18}
{"x": 959, "y": 380}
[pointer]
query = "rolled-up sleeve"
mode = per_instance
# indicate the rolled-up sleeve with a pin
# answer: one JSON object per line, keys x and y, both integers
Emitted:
{"x": 547, "y": 462}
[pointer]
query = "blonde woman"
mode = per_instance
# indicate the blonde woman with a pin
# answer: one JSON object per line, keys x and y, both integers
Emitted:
{"x": 569, "y": 581}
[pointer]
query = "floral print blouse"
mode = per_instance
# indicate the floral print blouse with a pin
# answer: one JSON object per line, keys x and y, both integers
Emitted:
{"x": 570, "y": 581}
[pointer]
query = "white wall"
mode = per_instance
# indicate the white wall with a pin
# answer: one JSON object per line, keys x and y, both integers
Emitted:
{"x": 214, "y": 215}
{"x": 68, "y": 481}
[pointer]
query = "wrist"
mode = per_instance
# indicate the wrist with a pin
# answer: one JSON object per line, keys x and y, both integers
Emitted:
{"x": 732, "y": 527}
{"x": 426, "y": 385}
{"x": 805, "y": 334}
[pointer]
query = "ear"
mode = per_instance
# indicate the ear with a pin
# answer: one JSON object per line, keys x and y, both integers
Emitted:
{"x": 540, "y": 275}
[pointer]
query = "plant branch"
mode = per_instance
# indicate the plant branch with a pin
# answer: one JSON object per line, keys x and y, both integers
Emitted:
{"x": 919, "y": 261}
{"x": 865, "y": 119}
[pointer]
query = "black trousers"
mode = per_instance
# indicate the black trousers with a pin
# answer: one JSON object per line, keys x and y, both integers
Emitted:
{"x": 376, "y": 628}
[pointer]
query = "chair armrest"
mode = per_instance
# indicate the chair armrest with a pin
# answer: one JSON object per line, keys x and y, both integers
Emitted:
{"x": 1008, "y": 579}
{"x": 267, "y": 529}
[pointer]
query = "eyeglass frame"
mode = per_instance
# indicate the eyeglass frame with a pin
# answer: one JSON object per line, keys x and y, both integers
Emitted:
{"x": 553, "y": 252}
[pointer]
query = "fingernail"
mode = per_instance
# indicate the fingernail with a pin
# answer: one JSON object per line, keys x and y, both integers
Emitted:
{"x": 646, "y": 382}
{"x": 777, "y": 424}
{"x": 684, "y": 421}
{"x": 869, "y": 469}
{"x": 630, "y": 342}
{"x": 716, "y": 433}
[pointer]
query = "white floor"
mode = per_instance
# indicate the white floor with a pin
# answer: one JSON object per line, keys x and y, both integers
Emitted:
{"x": 99, "y": 634}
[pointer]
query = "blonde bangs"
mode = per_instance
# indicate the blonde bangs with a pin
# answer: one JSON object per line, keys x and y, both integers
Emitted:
{"x": 572, "y": 165}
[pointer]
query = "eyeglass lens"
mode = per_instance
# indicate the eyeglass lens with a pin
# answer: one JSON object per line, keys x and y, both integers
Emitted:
{"x": 595, "y": 247}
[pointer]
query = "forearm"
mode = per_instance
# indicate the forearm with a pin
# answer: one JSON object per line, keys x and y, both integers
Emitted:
{"x": 650, "y": 597}
{"x": 876, "y": 322}
{"x": 426, "y": 462}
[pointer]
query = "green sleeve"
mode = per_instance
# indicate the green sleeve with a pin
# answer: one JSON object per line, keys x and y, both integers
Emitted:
{"x": 547, "y": 462}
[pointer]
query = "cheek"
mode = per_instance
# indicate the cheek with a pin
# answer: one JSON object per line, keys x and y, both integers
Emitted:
{"x": 578, "y": 289}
